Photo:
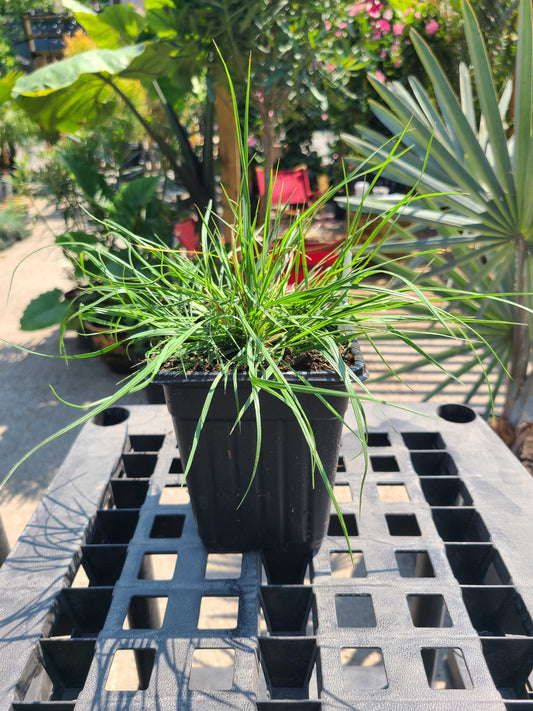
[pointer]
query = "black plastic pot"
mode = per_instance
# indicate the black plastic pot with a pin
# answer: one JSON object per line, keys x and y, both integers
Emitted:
{"x": 287, "y": 508}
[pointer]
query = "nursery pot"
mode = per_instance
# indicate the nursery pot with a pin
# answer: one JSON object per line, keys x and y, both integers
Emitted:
{"x": 287, "y": 505}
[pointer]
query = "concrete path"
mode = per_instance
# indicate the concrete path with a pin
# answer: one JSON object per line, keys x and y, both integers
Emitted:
{"x": 29, "y": 411}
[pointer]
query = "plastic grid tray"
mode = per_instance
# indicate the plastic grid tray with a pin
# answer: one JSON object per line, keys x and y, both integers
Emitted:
{"x": 109, "y": 600}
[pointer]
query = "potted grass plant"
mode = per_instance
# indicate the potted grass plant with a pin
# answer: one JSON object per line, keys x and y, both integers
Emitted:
{"x": 256, "y": 354}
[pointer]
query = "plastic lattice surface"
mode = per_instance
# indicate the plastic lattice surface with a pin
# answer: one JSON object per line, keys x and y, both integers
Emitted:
{"x": 109, "y": 599}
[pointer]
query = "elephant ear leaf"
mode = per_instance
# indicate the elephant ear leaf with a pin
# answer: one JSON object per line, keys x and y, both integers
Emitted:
{"x": 80, "y": 90}
{"x": 46, "y": 310}
{"x": 116, "y": 26}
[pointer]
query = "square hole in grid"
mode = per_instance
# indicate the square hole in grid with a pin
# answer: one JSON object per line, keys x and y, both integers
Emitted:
{"x": 101, "y": 565}
{"x": 137, "y": 465}
{"x": 212, "y": 669}
{"x": 167, "y": 526}
{"x": 423, "y": 440}
{"x": 402, "y": 525}
{"x": 497, "y": 611}
{"x": 146, "y": 443}
{"x": 290, "y": 571}
{"x": 114, "y": 526}
{"x": 343, "y": 493}
{"x": 145, "y": 612}
{"x": 363, "y": 668}
{"x": 342, "y": 567}
{"x": 159, "y": 565}
{"x": 79, "y": 612}
{"x": 378, "y": 439}
{"x": 57, "y": 670}
{"x": 433, "y": 464}
{"x": 446, "y": 668}
{"x": 392, "y": 493}
{"x": 429, "y": 611}
{"x": 223, "y": 566}
{"x": 414, "y": 564}
{"x": 176, "y": 467}
{"x": 286, "y": 610}
{"x": 510, "y": 663}
{"x": 460, "y": 525}
{"x": 289, "y": 666}
{"x": 335, "y": 526}
{"x": 174, "y": 494}
{"x": 477, "y": 564}
{"x": 218, "y": 612}
{"x": 384, "y": 463}
{"x": 445, "y": 491}
{"x": 355, "y": 610}
{"x": 126, "y": 494}
{"x": 130, "y": 670}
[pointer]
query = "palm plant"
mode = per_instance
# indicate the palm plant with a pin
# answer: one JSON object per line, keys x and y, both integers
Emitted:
{"x": 484, "y": 167}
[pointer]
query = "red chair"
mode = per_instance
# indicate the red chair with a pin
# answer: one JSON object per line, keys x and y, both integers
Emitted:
{"x": 289, "y": 187}
{"x": 185, "y": 235}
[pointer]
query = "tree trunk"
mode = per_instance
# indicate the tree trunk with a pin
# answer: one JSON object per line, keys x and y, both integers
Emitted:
{"x": 230, "y": 167}
{"x": 519, "y": 383}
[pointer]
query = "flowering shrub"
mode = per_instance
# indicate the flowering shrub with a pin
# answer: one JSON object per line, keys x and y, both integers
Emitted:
{"x": 382, "y": 31}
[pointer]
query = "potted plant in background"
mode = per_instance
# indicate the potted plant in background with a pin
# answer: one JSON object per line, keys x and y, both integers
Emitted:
{"x": 227, "y": 321}
{"x": 477, "y": 151}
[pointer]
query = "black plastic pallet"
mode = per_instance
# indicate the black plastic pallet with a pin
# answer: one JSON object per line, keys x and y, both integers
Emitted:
{"x": 110, "y": 601}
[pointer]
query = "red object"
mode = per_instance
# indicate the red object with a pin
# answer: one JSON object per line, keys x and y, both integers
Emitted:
{"x": 316, "y": 254}
{"x": 289, "y": 187}
{"x": 185, "y": 235}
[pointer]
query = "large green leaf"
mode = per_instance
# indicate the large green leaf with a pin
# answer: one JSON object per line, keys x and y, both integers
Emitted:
{"x": 116, "y": 26}
{"x": 89, "y": 180}
{"x": 60, "y": 75}
{"x": 523, "y": 149}
{"x": 131, "y": 198}
{"x": 46, "y": 310}
{"x": 79, "y": 91}
{"x": 488, "y": 99}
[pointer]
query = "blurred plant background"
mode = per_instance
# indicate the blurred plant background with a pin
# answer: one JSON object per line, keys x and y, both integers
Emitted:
{"x": 123, "y": 113}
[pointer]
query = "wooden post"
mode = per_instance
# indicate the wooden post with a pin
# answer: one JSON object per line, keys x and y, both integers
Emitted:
{"x": 228, "y": 153}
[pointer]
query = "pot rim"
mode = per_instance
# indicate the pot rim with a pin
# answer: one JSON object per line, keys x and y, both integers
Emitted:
{"x": 169, "y": 377}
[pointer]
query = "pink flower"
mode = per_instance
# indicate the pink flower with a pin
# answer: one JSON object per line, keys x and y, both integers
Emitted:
{"x": 432, "y": 27}
{"x": 397, "y": 63}
{"x": 327, "y": 26}
{"x": 398, "y": 28}
{"x": 338, "y": 33}
{"x": 418, "y": 15}
{"x": 324, "y": 117}
{"x": 383, "y": 25}
{"x": 343, "y": 25}
{"x": 330, "y": 67}
{"x": 383, "y": 54}
{"x": 375, "y": 9}
{"x": 376, "y": 35}
{"x": 356, "y": 9}
{"x": 380, "y": 76}
{"x": 388, "y": 14}
{"x": 271, "y": 114}
{"x": 252, "y": 142}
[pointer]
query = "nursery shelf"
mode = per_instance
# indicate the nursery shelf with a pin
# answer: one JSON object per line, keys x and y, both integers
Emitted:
{"x": 110, "y": 601}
